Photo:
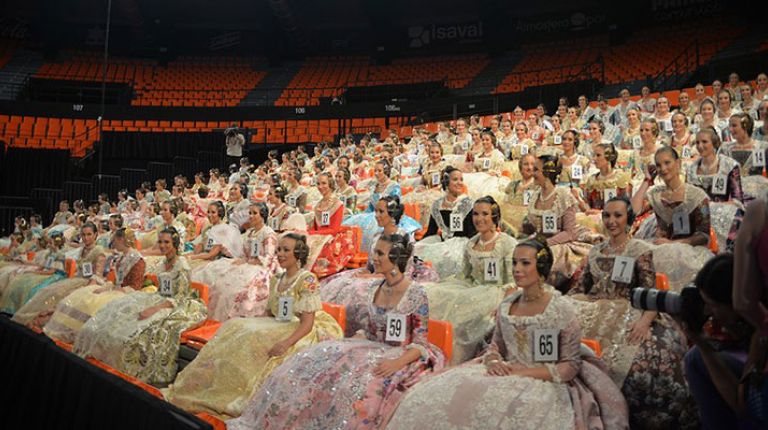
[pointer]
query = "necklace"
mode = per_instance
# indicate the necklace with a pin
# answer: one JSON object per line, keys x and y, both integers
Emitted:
{"x": 619, "y": 247}
{"x": 484, "y": 243}
{"x": 549, "y": 196}
{"x": 709, "y": 167}
{"x": 533, "y": 297}
{"x": 674, "y": 190}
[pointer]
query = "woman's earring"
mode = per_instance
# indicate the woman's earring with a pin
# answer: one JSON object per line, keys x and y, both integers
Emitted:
{"x": 393, "y": 272}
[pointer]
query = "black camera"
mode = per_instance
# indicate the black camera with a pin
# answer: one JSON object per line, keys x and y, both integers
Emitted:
{"x": 687, "y": 303}
{"x": 231, "y": 131}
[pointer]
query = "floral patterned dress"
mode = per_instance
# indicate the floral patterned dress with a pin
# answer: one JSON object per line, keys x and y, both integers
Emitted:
{"x": 146, "y": 349}
{"x": 332, "y": 386}
{"x": 237, "y": 289}
{"x": 650, "y": 374}
{"x": 251, "y": 300}
{"x": 580, "y": 395}
{"x": 234, "y": 364}
{"x": 340, "y": 247}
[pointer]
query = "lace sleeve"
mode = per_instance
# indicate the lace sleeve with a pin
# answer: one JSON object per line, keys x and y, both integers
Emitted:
{"x": 497, "y": 349}
{"x": 569, "y": 364}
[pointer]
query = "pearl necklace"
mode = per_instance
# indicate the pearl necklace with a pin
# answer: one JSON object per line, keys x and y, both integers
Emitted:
{"x": 543, "y": 198}
{"x": 710, "y": 167}
{"x": 484, "y": 243}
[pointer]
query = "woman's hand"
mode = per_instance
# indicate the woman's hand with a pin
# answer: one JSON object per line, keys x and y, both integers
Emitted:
{"x": 387, "y": 368}
{"x": 278, "y": 349}
{"x": 639, "y": 332}
{"x": 661, "y": 241}
{"x": 501, "y": 368}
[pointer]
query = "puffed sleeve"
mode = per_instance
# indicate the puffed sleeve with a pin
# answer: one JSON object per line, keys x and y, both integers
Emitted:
{"x": 308, "y": 295}
{"x": 569, "y": 363}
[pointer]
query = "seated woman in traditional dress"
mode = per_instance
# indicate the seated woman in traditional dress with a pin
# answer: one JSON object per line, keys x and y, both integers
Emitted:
{"x": 296, "y": 194}
{"x": 518, "y": 194}
{"x": 631, "y": 138}
{"x": 468, "y": 300}
{"x": 749, "y": 153}
{"x": 77, "y": 308}
{"x": 256, "y": 268}
{"x": 552, "y": 213}
{"x": 352, "y": 286}
{"x": 381, "y": 186}
{"x": 229, "y": 280}
{"x": 429, "y": 191}
{"x": 574, "y": 166}
{"x": 327, "y": 216}
{"x": 681, "y": 139}
{"x": 233, "y": 365}
{"x": 355, "y": 382}
{"x": 533, "y": 375}
{"x": 139, "y": 333}
{"x": 489, "y": 160}
{"x": 606, "y": 183}
{"x": 706, "y": 118}
{"x": 150, "y": 249}
{"x": 20, "y": 282}
{"x": 718, "y": 175}
{"x": 279, "y": 212}
{"x": 681, "y": 224}
{"x": 346, "y": 192}
{"x": 643, "y": 157}
{"x": 91, "y": 261}
{"x": 450, "y": 226}
{"x": 643, "y": 349}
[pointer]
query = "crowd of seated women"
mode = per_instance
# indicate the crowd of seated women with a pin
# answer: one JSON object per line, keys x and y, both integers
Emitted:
{"x": 527, "y": 235}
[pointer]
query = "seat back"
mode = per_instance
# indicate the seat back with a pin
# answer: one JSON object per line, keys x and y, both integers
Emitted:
{"x": 70, "y": 267}
{"x": 662, "y": 281}
{"x": 338, "y": 312}
{"x": 440, "y": 334}
{"x": 594, "y": 346}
